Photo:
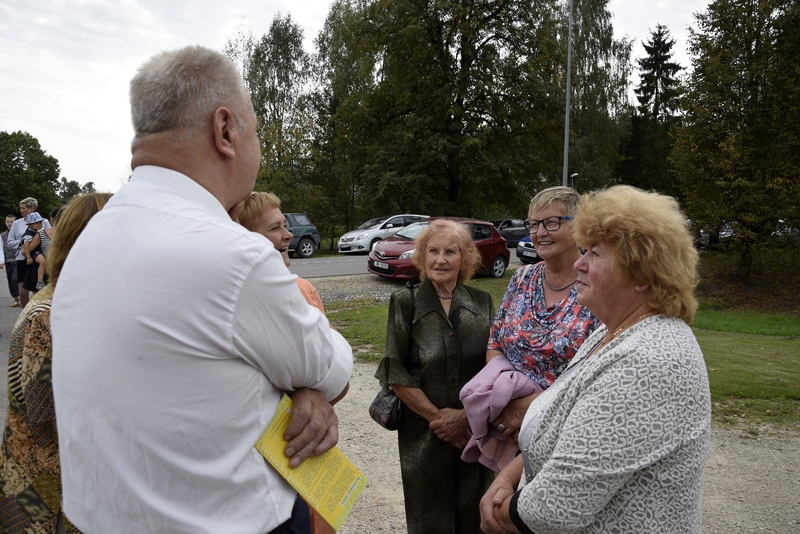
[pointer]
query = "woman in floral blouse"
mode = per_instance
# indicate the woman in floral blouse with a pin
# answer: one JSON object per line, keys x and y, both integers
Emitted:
{"x": 540, "y": 325}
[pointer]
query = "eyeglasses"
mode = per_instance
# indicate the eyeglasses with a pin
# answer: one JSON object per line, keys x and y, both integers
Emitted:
{"x": 551, "y": 224}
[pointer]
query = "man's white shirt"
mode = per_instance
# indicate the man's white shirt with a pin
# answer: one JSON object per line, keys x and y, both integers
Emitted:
{"x": 175, "y": 331}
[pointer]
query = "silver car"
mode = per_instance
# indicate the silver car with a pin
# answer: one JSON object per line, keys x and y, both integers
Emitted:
{"x": 363, "y": 238}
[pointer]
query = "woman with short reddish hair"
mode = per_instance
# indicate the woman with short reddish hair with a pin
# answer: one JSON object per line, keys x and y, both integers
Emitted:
{"x": 430, "y": 354}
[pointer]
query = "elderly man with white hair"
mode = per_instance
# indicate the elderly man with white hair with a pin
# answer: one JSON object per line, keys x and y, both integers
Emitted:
{"x": 165, "y": 376}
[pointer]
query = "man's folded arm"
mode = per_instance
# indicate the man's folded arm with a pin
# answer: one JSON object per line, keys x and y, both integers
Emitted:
{"x": 275, "y": 330}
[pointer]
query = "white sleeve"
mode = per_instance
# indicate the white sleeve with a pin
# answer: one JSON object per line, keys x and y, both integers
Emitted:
{"x": 275, "y": 330}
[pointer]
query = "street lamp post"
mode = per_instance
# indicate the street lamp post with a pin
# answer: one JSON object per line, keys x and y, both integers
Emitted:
{"x": 569, "y": 91}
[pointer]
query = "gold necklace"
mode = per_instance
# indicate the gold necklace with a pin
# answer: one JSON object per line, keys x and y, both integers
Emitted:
{"x": 555, "y": 288}
{"x": 624, "y": 326}
{"x": 618, "y": 331}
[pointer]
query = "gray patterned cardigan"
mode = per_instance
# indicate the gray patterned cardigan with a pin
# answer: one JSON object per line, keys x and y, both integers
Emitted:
{"x": 622, "y": 442}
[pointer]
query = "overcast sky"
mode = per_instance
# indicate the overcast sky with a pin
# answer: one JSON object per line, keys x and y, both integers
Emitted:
{"x": 65, "y": 65}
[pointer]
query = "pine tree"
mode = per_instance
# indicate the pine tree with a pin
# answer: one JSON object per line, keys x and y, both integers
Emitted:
{"x": 658, "y": 92}
{"x": 646, "y": 164}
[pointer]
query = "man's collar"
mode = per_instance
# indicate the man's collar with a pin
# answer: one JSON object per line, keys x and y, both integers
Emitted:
{"x": 181, "y": 184}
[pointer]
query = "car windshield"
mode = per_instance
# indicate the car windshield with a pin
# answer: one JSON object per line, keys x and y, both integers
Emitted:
{"x": 372, "y": 223}
{"x": 412, "y": 230}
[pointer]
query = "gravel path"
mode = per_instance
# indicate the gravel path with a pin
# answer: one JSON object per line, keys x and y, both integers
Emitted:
{"x": 752, "y": 484}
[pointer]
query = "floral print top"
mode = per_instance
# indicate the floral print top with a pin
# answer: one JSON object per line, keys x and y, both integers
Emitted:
{"x": 539, "y": 341}
{"x": 30, "y": 472}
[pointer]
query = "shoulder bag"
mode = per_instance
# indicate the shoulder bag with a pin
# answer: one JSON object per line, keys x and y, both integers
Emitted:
{"x": 387, "y": 408}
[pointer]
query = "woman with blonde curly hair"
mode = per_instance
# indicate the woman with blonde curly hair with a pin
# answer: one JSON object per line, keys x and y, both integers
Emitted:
{"x": 619, "y": 442}
{"x": 435, "y": 343}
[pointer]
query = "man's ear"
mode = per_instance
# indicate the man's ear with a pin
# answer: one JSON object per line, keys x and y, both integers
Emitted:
{"x": 224, "y": 132}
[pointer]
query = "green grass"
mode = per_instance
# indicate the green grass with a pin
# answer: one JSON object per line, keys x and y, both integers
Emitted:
{"x": 752, "y": 355}
{"x": 739, "y": 412}
{"x": 495, "y": 286}
{"x": 748, "y": 322}
{"x": 751, "y": 366}
{"x": 363, "y": 326}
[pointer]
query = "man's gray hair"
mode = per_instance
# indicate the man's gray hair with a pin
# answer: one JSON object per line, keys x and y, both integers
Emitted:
{"x": 30, "y": 202}
{"x": 180, "y": 89}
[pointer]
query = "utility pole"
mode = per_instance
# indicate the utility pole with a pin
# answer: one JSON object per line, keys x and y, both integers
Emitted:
{"x": 565, "y": 174}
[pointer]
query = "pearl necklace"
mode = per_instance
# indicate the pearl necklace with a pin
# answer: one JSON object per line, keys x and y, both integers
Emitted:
{"x": 555, "y": 288}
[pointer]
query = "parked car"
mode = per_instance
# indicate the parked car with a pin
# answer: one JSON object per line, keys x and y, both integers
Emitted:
{"x": 511, "y": 229}
{"x": 305, "y": 237}
{"x": 785, "y": 233}
{"x": 392, "y": 256}
{"x": 363, "y": 238}
{"x": 714, "y": 238}
{"x": 525, "y": 251}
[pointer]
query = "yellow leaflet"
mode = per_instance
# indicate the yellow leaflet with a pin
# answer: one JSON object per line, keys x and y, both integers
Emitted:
{"x": 330, "y": 483}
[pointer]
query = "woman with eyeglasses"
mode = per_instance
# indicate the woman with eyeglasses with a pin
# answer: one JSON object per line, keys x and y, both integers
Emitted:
{"x": 537, "y": 330}
{"x": 619, "y": 442}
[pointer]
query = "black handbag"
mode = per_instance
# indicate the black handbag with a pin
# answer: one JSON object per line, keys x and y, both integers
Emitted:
{"x": 387, "y": 408}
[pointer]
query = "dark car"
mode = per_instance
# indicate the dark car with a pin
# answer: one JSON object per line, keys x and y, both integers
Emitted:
{"x": 511, "y": 229}
{"x": 305, "y": 237}
{"x": 392, "y": 256}
{"x": 525, "y": 251}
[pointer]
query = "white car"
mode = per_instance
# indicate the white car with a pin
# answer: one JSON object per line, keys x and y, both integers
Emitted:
{"x": 363, "y": 238}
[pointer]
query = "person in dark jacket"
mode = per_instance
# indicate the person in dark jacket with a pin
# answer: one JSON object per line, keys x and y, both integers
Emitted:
{"x": 427, "y": 360}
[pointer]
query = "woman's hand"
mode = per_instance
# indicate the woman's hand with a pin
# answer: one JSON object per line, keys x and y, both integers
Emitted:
{"x": 495, "y": 518}
{"x": 452, "y": 426}
{"x": 29, "y": 261}
{"x": 512, "y": 415}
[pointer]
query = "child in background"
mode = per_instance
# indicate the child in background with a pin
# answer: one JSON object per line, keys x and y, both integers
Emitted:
{"x": 32, "y": 247}
{"x": 42, "y": 241}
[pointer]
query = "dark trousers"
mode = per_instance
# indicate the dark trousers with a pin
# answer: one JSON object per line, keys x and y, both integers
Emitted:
{"x": 299, "y": 523}
{"x": 11, "y": 274}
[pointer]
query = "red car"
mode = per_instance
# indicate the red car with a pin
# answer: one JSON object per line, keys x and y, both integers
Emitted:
{"x": 392, "y": 256}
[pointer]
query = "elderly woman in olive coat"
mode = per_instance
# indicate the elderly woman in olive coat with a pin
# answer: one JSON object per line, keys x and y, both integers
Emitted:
{"x": 427, "y": 367}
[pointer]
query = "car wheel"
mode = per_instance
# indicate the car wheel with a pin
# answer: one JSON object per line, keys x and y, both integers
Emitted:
{"x": 498, "y": 267}
{"x": 306, "y": 248}
{"x": 372, "y": 245}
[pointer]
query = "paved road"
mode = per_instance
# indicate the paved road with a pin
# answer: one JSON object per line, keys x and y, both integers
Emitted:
{"x": 8, "y": 316}
{"x": 319, "y": 266}
{"x": 341, "y": 265}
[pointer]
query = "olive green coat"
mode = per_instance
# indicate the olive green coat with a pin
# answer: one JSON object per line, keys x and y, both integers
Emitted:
{"x": 441, "y": 491}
